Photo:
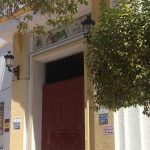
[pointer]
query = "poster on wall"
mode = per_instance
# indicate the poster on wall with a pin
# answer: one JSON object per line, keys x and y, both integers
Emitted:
{"x": 108, "y": 129}
{"x": 1, "y": 124}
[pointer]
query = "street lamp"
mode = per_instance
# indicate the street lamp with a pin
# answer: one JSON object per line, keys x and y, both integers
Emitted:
{"x": 8, "y": 59}
{"x": 87, "y": 24}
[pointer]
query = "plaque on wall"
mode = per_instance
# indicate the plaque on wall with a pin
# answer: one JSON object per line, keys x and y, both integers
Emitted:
{"x": 103, "y": 118}
{"x": 16, "y": 122}
{"x": 7, "y": 125}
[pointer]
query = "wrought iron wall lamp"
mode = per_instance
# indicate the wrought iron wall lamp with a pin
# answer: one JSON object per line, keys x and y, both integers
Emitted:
{"x": 88, "y": 24}
{"x": 8, "y": 59}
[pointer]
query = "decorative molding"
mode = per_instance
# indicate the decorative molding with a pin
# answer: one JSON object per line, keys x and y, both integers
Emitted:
{"x": 59, "y": 34}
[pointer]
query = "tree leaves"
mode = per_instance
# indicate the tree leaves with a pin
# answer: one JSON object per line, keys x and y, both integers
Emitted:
{"x": 57, "y": 11}
{"x": 118, "y": 56}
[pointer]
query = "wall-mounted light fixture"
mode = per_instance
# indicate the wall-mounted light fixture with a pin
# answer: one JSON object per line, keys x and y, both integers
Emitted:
{"x": 88, "y": 24}
{"x": 8, "y": 59}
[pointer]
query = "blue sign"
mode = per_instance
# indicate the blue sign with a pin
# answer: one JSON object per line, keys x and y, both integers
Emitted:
{"x": 16, "y": 123}
{"x": 103, "y": 118}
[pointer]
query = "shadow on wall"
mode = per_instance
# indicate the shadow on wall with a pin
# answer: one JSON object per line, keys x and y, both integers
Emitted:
{"x": 5, "y": 75}
{"x": 5, "y": 92}
{"x": 2, "y": 70}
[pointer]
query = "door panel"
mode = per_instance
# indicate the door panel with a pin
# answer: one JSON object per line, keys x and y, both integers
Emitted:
{"x": 63, "y": 115}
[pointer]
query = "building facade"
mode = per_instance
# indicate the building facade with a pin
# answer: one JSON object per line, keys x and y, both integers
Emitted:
{"x": 49, "y": 108}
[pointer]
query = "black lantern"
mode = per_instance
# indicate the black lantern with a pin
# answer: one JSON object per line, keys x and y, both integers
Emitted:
{"x": 8, "y": 59}
{"x": 88, "y": 24}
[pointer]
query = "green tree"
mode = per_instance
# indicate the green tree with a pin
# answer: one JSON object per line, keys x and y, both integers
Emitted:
{"x": 56, "y": 11}
{"x": 118, "y": 57}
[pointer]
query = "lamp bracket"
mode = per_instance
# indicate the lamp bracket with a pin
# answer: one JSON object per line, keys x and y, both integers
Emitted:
{"x": 15, "y": 70}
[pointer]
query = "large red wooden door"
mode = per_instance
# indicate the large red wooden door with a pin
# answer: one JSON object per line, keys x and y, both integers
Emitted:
{"x": 63, "y": 115}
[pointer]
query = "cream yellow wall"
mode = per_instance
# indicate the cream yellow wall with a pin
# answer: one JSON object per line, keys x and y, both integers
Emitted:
{"x": 89, "y": 113}
{"x": 19, "y": 91}
{"x": 103, "y": 141}
{"x": 95, "y": 9}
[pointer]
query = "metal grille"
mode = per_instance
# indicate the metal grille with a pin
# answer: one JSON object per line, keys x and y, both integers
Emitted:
{"x": 66, "y": 68}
